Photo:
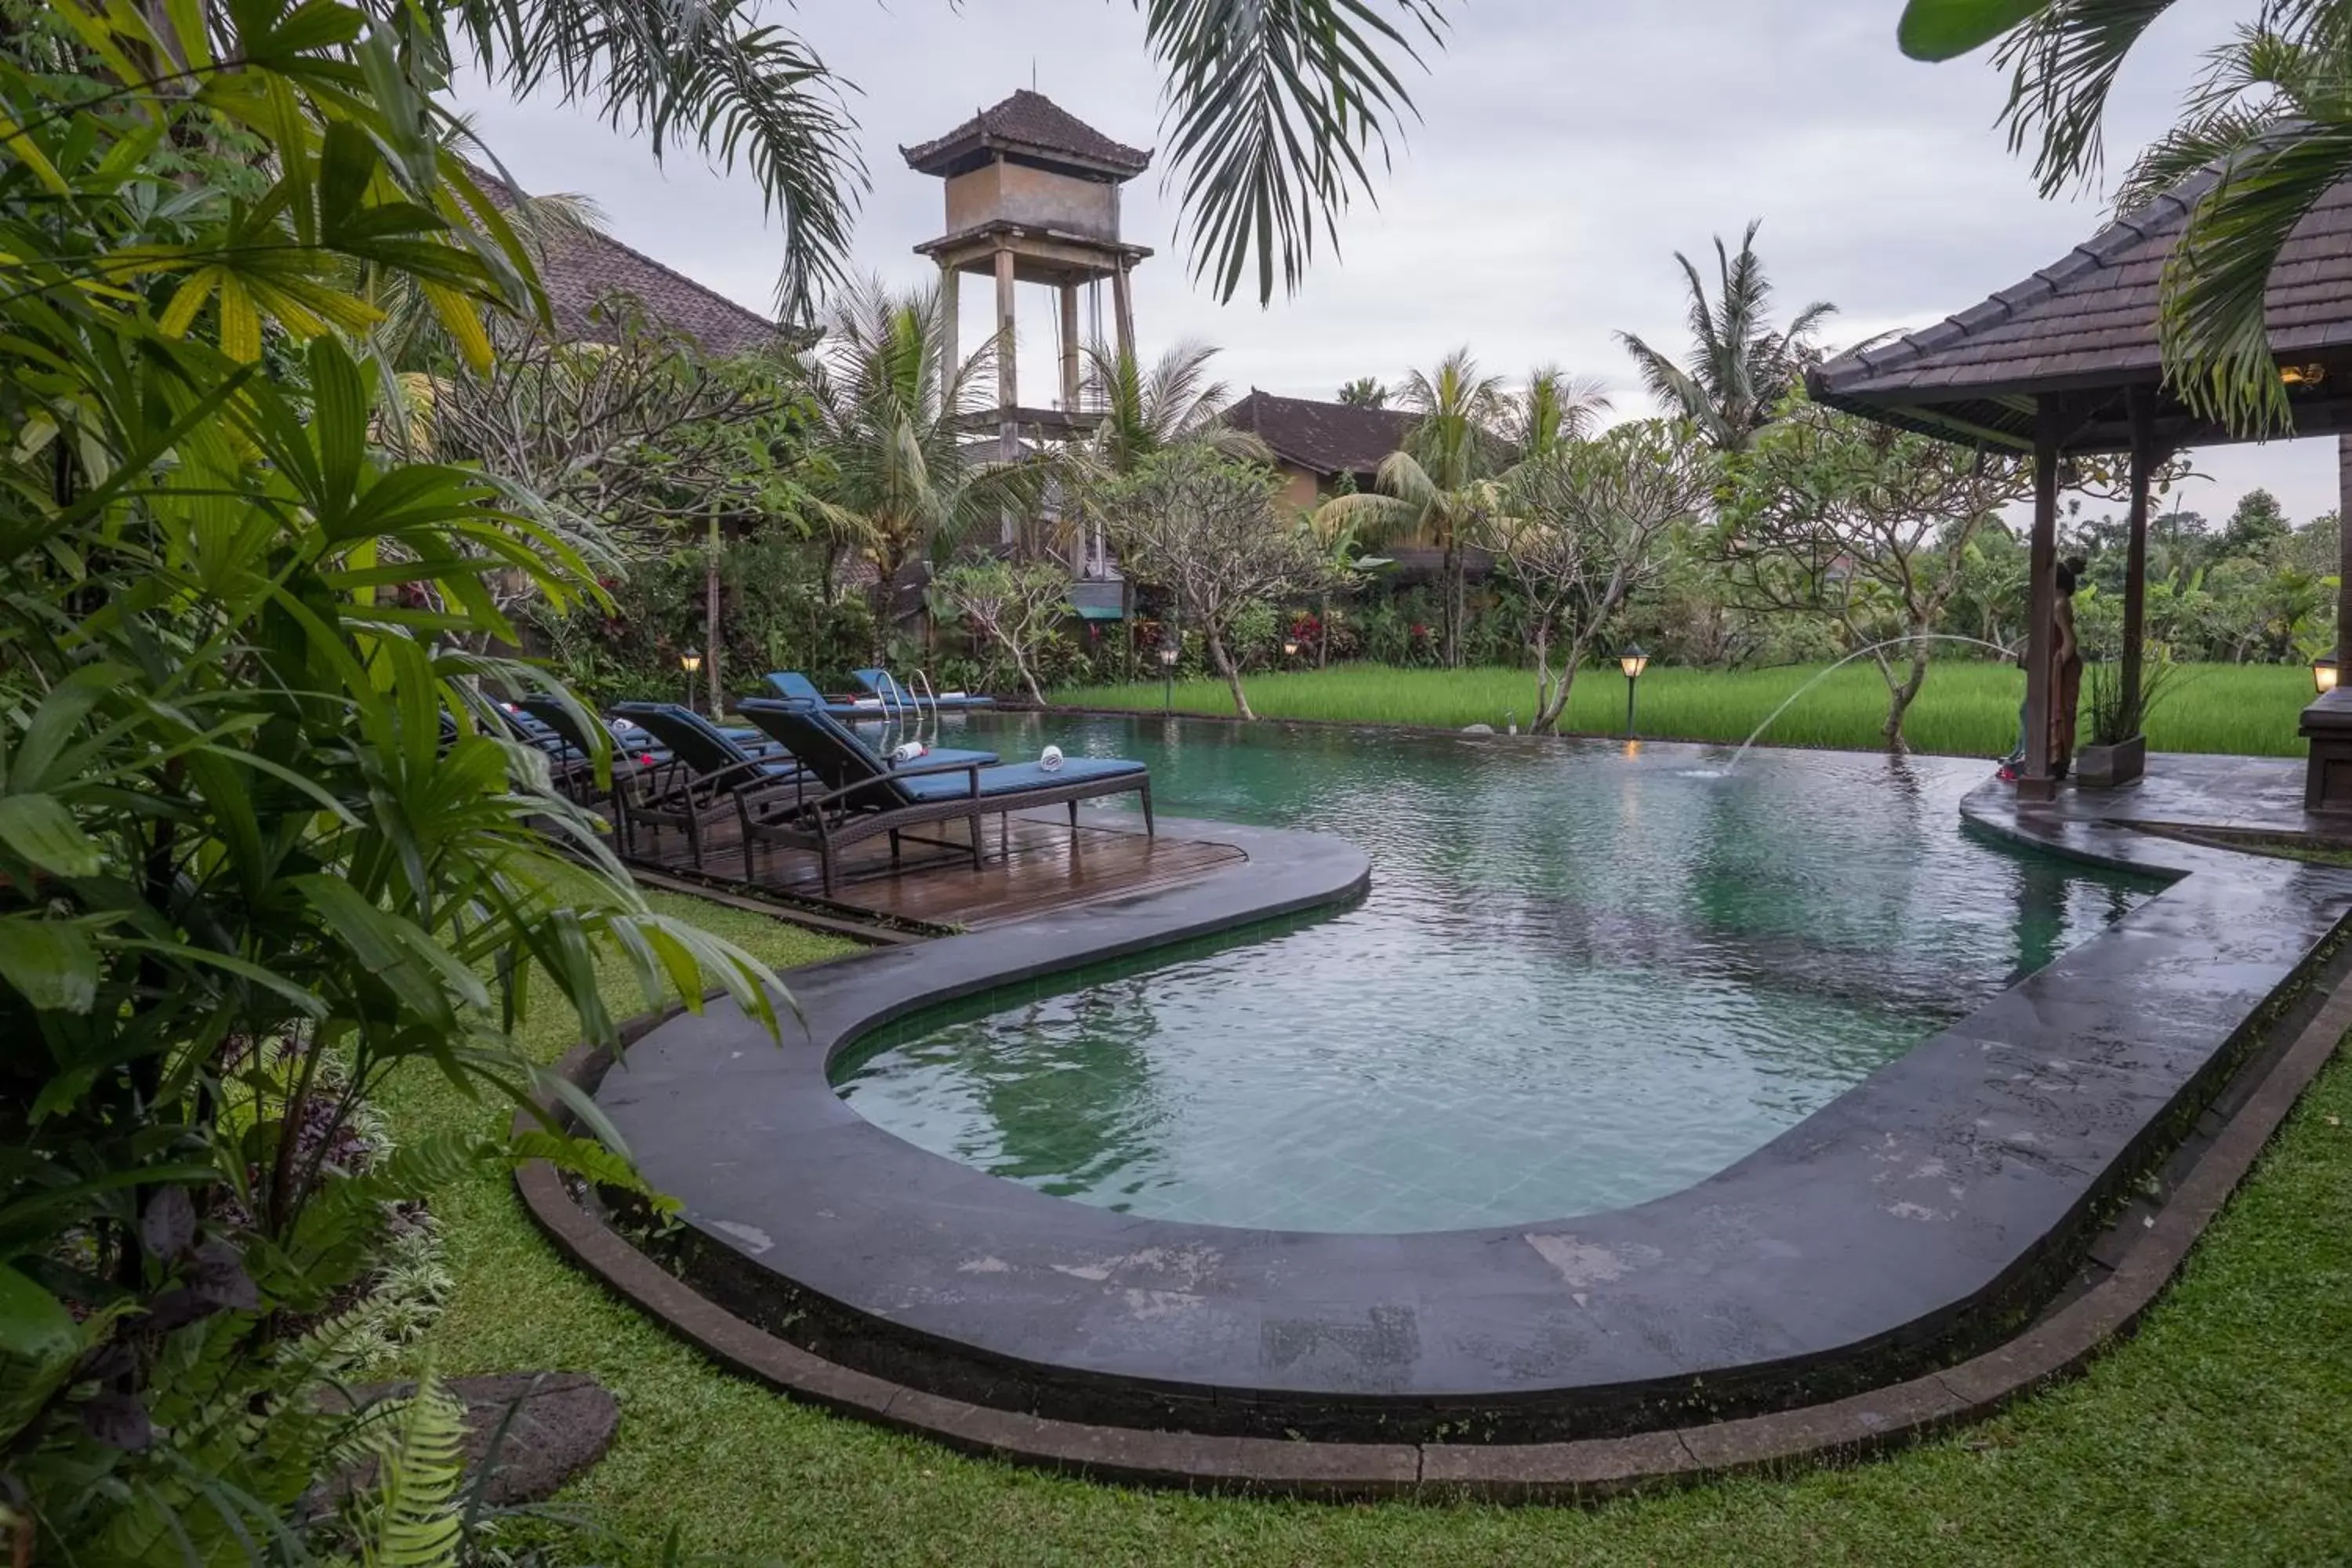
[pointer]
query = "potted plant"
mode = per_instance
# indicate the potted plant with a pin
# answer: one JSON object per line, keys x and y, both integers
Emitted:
{"x": 2116, "y": 753}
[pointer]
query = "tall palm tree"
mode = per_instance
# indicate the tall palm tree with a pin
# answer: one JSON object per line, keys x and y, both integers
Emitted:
{"x": 1365, "y": 391}
{"x": 1740, "y": 365}
{"x": 896, "y": 474}
{"x": 1553, "y": 408}
{"x": 1277, "y": 110}
{"x": 2271, "y": 112}
{"x": 1442, "y": 480}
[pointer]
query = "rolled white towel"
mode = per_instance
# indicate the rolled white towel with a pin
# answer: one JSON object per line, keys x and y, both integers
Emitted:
{"x": 908, "y": 751}
{"x": 866, "y": 702}
{"x": 1051, "y": 759}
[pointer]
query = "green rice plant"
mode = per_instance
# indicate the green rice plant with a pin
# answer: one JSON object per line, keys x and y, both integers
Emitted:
{"x": 1968, "y": 707}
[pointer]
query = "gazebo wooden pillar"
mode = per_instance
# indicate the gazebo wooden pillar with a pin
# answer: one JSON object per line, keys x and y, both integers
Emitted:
{"x": 2326, "y": 724}
{"x": 2035, "y": 780}
{"x": 2067, "y": 363}
{"x": 2146, "y": 458}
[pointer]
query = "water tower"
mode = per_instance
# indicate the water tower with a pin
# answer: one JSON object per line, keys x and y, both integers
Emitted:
{"x": 1032, "y": 197}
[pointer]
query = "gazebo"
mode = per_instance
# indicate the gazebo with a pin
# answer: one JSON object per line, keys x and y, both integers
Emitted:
{"x": 2066, "y": 364}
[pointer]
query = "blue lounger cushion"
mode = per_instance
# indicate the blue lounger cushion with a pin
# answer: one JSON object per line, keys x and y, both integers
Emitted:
{"x": 1014, "y": 778}
{"x": 794, "y": 687}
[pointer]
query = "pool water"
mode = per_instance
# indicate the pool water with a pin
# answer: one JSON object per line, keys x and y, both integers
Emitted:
{"x": 1586, "y": 976}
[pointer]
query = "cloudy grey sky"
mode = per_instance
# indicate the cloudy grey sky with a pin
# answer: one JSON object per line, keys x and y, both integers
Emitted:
{"x": 1566, "y": 150}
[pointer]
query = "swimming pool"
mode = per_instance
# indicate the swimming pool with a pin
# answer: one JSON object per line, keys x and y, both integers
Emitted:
{"x": 1586, "y": 976}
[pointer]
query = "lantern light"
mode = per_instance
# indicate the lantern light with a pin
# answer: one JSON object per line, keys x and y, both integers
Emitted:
{"x": 2323, "y": 675}
{"x": 1633, "y": 662}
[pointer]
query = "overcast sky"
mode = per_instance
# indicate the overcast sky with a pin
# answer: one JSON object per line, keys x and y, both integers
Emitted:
{"x": 1566, "y": 150}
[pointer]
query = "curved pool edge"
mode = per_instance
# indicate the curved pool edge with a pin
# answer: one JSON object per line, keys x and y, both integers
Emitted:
{"x": 2153, "y": 1246}
{"x": 1920, "y": 1215}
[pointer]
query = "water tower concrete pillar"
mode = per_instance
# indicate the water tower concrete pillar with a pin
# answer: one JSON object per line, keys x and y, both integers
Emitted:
{"x": 1069, "y": 348}
{"x": 950, "y": 324}
{"x": 1123, "y": 299}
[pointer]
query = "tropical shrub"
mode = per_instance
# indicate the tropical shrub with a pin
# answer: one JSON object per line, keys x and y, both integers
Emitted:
{"x": 262, "y": 842}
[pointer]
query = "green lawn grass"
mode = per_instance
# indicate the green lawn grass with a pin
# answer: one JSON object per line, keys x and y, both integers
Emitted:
{"x": 1966, "y": 708}
{"x": 2221, "y": 1434}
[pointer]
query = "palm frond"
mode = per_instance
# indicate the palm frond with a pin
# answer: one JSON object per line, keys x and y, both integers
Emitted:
{"x": 2215, "y": 342}
{"x": 703, "y": 73}
{"x": 2063, "y": 64}
{"x": 1275, "y": 106}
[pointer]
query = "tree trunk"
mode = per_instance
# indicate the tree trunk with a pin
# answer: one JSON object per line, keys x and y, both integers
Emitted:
{"x": 711, "y": 616}
{"x": 1548, "y": 720}
{"x": 1021, "y": 667}
{"x": 1449, "y": 596}
{"x": 1229, "y": 670}
{"x": 1900, "y": 694}
{"x": 1323, "y": 636}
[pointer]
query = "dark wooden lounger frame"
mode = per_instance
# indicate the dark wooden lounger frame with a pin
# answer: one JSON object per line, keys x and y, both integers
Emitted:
{"x": 687, "y": 800}
{"x": 832, "y": 822}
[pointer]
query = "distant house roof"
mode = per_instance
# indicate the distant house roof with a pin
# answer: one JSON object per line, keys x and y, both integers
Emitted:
{"x": 580, "y": 270}
{"x": 1031, "y": 125}
{"x": 2087, "y": 324}
{"x": 1325, "y": 439}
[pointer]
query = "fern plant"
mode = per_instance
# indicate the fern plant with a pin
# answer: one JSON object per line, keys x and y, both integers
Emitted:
{"x": 410, "y": 1518}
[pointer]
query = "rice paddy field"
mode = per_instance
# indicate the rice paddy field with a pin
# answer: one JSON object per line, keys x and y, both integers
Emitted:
{"x": 1966, "y": 708}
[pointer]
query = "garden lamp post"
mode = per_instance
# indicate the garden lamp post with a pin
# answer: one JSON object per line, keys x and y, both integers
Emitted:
{"x": 690, "y": 661}
{"x": 1289, "y": 649}
{"x": 1168, "y": 679}
{"x": 1633, "y": 662}
{"x": 2323, "y": 675}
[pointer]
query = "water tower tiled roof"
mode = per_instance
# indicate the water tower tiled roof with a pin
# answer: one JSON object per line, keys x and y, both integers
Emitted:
{"x": 1028, "y": 124}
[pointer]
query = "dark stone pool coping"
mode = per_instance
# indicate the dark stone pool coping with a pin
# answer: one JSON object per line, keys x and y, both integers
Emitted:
{"x": 1841, "y": 1270}
{"x": 2153, "y": 1246}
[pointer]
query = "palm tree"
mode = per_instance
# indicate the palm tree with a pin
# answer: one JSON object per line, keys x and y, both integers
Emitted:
{"x": 1442, "y": 480}
{"x": 1277, "y": 111}
{"x": 895, "y": 472}
{"x": 1740, "y": 365}
{"x": 1365, "y": 391}
{"x": 1555, "y": 407}
{"x": 1145, "y": 412}
{"x": 2270, "y": 113}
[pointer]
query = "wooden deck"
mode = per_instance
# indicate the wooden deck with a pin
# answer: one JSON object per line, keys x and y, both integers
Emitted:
{"x": 1034, "y": 866}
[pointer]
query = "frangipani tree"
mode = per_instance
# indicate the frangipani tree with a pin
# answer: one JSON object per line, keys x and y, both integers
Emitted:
{"x": 1014, "y": 607}
{"x": 1867, "y": 526}
{"x": 1210, "y": 532}
{"x": 1585, "y": 526}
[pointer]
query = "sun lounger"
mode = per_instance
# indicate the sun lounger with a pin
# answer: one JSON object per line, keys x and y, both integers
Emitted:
{"x": 862, "y": 796}
{"x": 792, "y": 686}
{"x": 713, "y": 774}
